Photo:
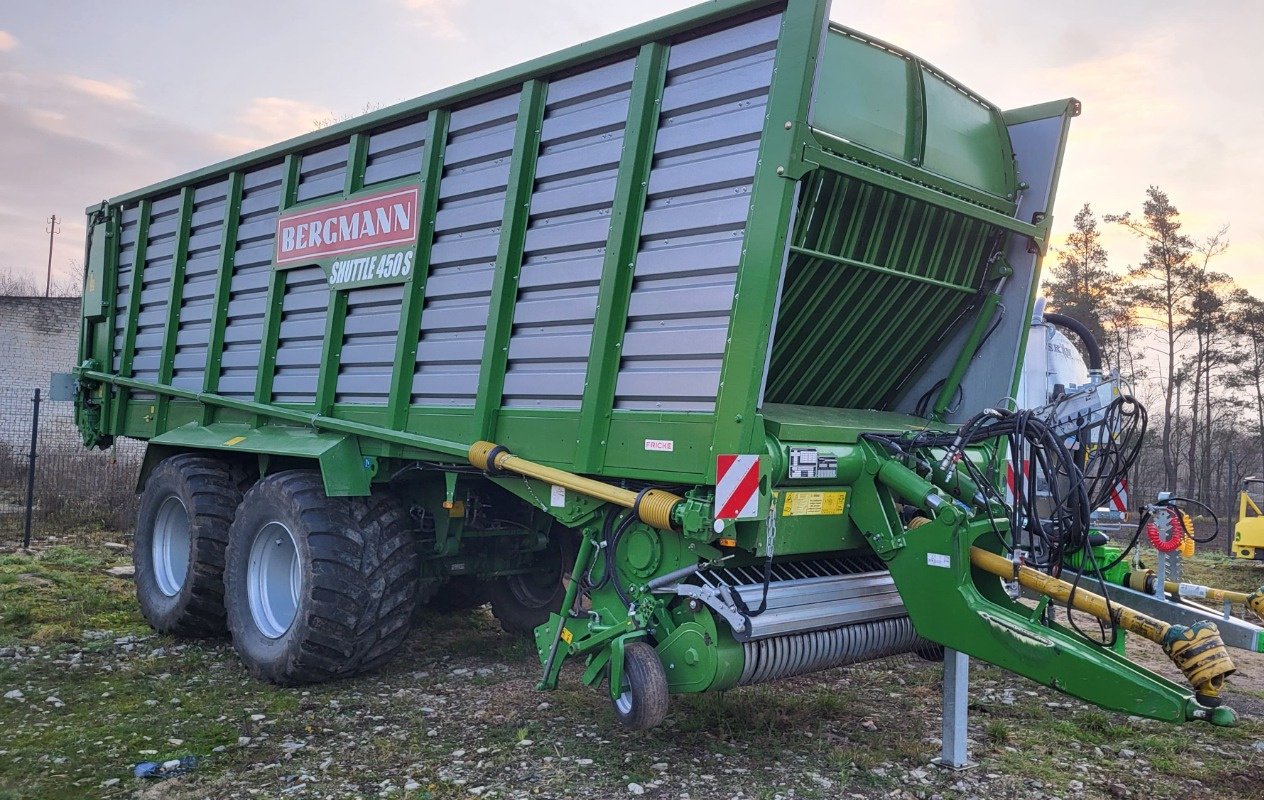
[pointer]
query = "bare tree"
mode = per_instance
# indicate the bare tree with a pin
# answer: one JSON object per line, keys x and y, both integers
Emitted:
{"x": 1248, "y": 328}
{"x": 1164, "y": 283}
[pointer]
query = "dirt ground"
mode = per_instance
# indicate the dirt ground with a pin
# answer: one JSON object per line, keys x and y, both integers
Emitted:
{"x": 457, "y": 716}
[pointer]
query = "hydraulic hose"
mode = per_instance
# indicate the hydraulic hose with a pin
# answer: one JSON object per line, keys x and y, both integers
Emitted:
{"x": 1081, "y": 330}
{"x": 1197, "y": 649}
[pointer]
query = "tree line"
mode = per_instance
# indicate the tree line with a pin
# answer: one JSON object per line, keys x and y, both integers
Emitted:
{"x": 1187, "y": 341}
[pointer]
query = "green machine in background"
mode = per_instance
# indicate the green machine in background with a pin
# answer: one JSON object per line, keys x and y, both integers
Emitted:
{"x": 669, "y": 345}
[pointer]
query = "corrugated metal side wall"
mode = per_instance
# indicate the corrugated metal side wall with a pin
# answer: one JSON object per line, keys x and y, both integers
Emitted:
{"x": 581, "y": 144}
{"x": 371, "y": 329}
{"x": 711, "y": 117}
{"x": 463, "y": 257}
{"x": 248, "y": 289}
{"x": 301, "y": 335}
{"x": 695, "y": 218}
{"x": 155, "y": 294}
{"x": 128, "y": 229}
{"x": 206, "y": 230}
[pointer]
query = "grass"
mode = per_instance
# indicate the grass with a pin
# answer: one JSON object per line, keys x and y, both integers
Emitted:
{"x": 54, "y": 595}
{"x": 464, "y": 687}
{"x": 1222, "y": 572}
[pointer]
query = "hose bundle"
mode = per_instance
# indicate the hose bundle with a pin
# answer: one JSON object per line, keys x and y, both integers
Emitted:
{"x": 1059, "y": 479}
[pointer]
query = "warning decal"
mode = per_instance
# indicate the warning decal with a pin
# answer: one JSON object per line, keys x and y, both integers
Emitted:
{"x": 737, "y": 487}
{"x": 813, "y": 504}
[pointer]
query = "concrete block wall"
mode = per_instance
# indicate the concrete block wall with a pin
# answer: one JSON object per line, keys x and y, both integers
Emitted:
{"x": 38, "y": 336}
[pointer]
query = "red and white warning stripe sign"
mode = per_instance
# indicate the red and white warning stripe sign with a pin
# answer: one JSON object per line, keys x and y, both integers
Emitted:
{"x": 737, "y": 487}
{"x": 1119, "y": 496}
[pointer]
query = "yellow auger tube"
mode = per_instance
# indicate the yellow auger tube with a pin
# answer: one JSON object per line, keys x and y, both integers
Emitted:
{"x": 653, "y": 507}
{"x": 1197, "y": 649}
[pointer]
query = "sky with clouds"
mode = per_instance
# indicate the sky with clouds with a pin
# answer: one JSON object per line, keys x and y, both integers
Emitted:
{"x": 97, "y": 99}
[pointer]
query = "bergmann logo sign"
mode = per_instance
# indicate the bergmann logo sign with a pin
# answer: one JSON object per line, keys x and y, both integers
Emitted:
{"x": 358, "y": 241}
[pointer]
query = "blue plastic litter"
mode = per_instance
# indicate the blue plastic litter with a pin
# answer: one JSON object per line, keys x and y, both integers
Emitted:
{"x": 152, "y": 769}
{"x": 146, "y": 769}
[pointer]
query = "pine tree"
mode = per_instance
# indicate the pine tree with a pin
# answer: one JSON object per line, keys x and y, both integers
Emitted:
{"x": 1082, "y": 284}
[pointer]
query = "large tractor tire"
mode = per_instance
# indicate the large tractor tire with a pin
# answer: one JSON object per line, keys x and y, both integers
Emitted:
{"x": 182, "y": 527}
{"x": 318, "y": 587}
{"x": 522, "y": 603}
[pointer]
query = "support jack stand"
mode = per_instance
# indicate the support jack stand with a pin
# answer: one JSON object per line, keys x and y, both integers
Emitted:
{"x": 955, "y": 754}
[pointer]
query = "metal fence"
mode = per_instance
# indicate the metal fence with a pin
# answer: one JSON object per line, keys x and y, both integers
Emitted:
{"x": 74, "y": 492}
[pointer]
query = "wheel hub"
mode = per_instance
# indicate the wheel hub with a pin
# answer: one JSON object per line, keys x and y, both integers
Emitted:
{"x": 273, "y": 580}
{"x": 170, "y": 548}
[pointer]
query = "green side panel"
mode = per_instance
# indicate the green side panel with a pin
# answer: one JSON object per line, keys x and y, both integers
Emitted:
{"x": 965, "y": 140}
{"x": 95, "y": 290}
{"x": 873, "y": 111}
{"x": 890, "y": 102}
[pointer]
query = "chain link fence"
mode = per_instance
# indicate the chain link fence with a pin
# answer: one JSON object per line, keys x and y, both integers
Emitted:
{"x": 76, "y": 492}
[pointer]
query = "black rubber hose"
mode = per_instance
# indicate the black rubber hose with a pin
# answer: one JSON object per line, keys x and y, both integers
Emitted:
{"x": 1081, "y": 330}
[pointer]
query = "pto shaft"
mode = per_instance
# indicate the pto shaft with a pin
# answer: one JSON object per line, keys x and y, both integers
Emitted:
{"x": 652, "y": 506}
{"x": 1143, "y": 581}
{"x": 1197, "y": 649}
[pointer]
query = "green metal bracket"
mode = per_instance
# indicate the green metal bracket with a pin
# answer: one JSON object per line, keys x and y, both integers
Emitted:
{"x": 967, "y": 610}
{"x": 345, "y": 471}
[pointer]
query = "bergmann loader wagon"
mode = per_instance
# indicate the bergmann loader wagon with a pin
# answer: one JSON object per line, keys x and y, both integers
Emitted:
{"x": 688, "y": 348}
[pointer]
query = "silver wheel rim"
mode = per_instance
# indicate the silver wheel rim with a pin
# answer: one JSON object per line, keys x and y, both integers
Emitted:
{"x": 170, "y": 547}
{"x": 624, "y": 703}
{"x": 273, "y": 580}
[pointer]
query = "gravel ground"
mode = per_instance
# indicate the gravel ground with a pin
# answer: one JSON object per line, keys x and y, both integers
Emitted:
{"x": 457, "y": 716}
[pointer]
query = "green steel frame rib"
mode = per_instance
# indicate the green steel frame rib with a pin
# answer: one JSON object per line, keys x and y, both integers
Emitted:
{"x": 915, "y": 134}
{"x": 767, "y": 230}
{"x": 267, "y": 411}
{"x": 268, "y": 343}
{"x": 223, "y": 285}
{"x": 405, "y": 366}
{"x": 102, "y": 349}
{"x": 133, "y": 309}
{"x": 175, "y": 301}
{"x": 841, "y": 156}
{"x": 619, "y": 266}
{"x": 336, "y": 308}
{"x": 895, "y": 273}
{"x": 357, "y": 163}
{"x": 331, "y": 351}
{"x": 513, "y": 234}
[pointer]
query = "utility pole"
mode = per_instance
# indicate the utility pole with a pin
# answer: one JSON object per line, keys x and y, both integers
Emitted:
{"x": 54, "y": 228}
